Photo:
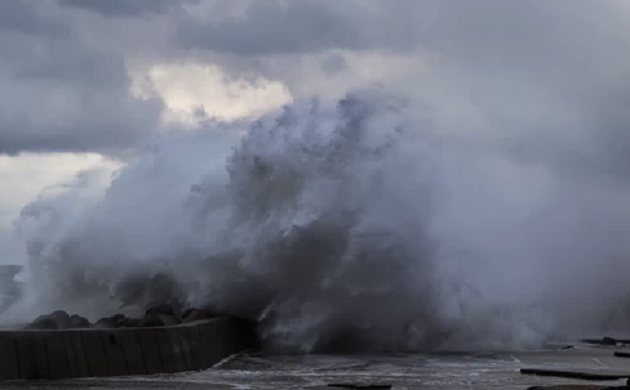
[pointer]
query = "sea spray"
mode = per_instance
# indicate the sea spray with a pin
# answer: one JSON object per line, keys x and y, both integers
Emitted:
{"x": 355, "y": 226}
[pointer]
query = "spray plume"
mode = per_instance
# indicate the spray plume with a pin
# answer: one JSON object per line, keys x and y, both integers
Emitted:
{"x": 353, "y": 226}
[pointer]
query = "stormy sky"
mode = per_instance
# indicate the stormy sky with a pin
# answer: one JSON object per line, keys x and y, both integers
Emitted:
{"x": 84, "y": 83}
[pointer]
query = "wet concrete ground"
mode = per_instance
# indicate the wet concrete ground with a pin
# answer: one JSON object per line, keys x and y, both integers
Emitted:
{"x": 403, "y": 371}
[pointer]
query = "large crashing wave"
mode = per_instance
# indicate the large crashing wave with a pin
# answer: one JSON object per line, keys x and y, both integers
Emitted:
{"x": 351, "y": 226}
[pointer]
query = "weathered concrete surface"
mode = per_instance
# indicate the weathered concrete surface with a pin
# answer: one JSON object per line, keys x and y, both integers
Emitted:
{"x": 469, "y": 371}
{"x": 77, "y": 353}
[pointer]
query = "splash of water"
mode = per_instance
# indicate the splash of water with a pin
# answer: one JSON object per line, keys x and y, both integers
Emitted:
{"x": 352, "y": 226}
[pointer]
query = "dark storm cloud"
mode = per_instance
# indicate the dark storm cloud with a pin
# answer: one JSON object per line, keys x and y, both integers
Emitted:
{"x": 60, "y": 93}
{"x": 24, "y": 17}
{"x": 550, "y": 76}
{"x": 295, "y": 27}
{"x": 122, "y": 8}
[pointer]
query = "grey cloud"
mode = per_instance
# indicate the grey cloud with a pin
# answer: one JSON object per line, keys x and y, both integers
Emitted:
{"x": 540, "y": 72}
{"x": 274, "y": 28}
{"x": 62, "y": 60}
{"x": 333, "y": 63}
{"x": 96, "y": 121}
{"x": 61, "y": 94}
{"x": 122, "y": 8}
{"x": 25, "y": 17}
{"x": 548, "y": 78}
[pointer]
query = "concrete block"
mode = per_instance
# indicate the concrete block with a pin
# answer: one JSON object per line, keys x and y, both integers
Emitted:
{"x": 32, "y": 355}
{"x": 95, "y": 352}
{"x": 177, "y": 348}
{"x": 112, "y": 344}
{"x": 58, "y": 362}
{"x": 133, "y": 352}
{"x": 58, "y": 354}
{"x": 209, "y": 334}
{"x": 167, "y": 350}
{"x": 76, "y": 354}
{"x": 246, "y": 334}
{"x": 229, "y": 344}
{"x": 186, "y": 348}
{"x": 150, "y": 351}
{"x": 9, "y": 368}
{"x": 199, "y": 349}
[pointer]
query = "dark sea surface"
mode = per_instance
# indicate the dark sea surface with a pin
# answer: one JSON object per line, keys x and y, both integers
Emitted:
{"x": 492, "y": 370}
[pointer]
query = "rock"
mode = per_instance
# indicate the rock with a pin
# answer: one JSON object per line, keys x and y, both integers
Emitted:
{"x": 43, "y": 323}
{"x": 119, "y": 320}
{"x": 168, "y": 320}
{"x": 55, "y": 320}
{"x": 161, "y": 309}
{"x": 158, "y": 319}
{"x": 584, "y": 375}
{"x": 118, "y": 317}
{"x": 60, "y": 317}
{"x": 196, "y": 315}
{"x": 78, "y": 322}
{"x": 130, "y": 322}
{"x": 105, "y": 323}
{"x": 609, "y": 341}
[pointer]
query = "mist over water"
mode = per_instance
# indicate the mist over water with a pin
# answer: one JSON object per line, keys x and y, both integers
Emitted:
{"x": 355, "y": 225}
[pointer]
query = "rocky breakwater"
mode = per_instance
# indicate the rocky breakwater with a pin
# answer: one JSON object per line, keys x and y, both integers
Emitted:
{"x": 162, "y": 315}
{"x": 60, "y": 345}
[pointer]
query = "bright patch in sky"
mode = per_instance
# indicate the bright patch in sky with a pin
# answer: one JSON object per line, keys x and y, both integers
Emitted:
{"x": 27, "y": 176}
{"x": 188, "y": 89}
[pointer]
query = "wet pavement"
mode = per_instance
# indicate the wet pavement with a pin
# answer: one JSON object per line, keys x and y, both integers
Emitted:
{"x": 402, "y": 371}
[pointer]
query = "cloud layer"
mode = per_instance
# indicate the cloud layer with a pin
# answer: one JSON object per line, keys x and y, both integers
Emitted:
{"x": 487, "y": 197}
{"x": 61, "y": 94}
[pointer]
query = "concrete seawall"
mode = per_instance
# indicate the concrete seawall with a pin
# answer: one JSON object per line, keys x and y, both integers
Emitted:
{"x": 76, "y": 353}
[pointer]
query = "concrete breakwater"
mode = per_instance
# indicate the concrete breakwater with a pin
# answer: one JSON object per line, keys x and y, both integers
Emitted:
{"x": 77, "y": 353}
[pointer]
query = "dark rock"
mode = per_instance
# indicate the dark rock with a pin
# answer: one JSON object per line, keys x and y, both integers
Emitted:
{"x": 43, "y": 323}
{"x": 119, "y": 320}
{"x": 130, "y": 322}
{"x": 169, "y": 320}
{"x": 118, "y": 317}
{"x": 116, "y": 321}
{"x": 60, "y": 317}
{"x": 196, "y": 315}
{"x": 609, "y": 341}
{"x": 78, "y": 322}
{"x": 105, "y": 323}
{"x": 584, "y": 375}
{"x": 158, "y": 319}
{"x": 161, "y": 309}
